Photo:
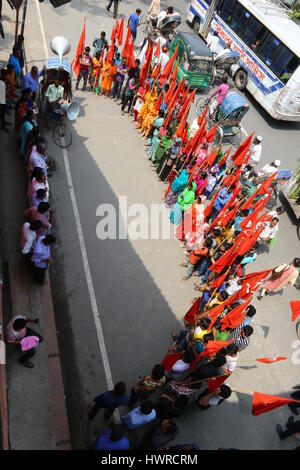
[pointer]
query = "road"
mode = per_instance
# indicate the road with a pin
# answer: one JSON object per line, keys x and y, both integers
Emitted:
{"x": 129, "y": 291}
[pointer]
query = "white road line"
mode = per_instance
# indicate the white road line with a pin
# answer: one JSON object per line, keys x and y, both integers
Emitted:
{"x": 244, "y": 131}
{"x": 96, "y": 314}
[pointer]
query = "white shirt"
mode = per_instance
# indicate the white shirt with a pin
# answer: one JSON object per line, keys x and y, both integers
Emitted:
{"x": 160, "y": 17}
{"x": 36, "y": 159}
{"x": 162, "y": 43}
{"x": 233, "y": 287}
{"x": 222, "y": 55}
{"x": 2, "y": 92}
{"x": 231, "y": 363}
{"x": 256, "y": 153}
{"x": 213, "y": 43}
{"x": 27, "y": 238}
{"x": 268, "y": 232}
{"x": 163, "y": 60}
{"x": 194, "y": 127}
{"x": 268, "y": 170}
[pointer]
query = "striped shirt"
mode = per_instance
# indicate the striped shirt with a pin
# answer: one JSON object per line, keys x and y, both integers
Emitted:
{"x": 236, "y": 335}
{"x": 151, "y": 384}
{"x": 12, "y": 335}
{"x": 181, "y": 389}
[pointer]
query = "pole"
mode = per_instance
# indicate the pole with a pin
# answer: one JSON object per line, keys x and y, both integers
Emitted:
{"x": 17, "y": 25}
{"x": 24, "y": 16}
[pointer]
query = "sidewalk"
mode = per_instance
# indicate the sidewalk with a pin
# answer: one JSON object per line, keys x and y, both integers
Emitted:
{"x": 34, "y": 423}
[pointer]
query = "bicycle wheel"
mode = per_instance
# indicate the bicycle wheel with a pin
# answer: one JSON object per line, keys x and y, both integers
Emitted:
{"x": 62, "y": 135}
{"x": 201, "y": 105}
{"x": 144, "y": 23}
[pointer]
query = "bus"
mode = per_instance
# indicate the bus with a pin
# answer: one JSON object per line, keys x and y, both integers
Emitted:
{"x": 268, "y": 43}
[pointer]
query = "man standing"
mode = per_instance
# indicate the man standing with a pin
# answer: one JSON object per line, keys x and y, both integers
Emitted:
{"x": 17, "y": 330}
{"x": 213, "y": 42}
{"x": 85, "y": 62}
{"x": 41, "y": 257}
{"x": 14, "y": 61}
{"x": 19, "y": 47}
{"x": 100, "y": 43}
{"x": 256, "y": 151}
{"x": 134, "y": 22}
{"x": 163, "y": 58}
{"x": 116, "y": 6}
{"x": 109, "y": 400}
{"x": 31, "y": 80}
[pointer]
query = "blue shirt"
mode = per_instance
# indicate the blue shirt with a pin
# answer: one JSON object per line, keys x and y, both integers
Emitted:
{"x": 14, "y": 61}
{"x": 110, "y": 400}
{"x": 104, "y": 442}
{"x": 136, "y": 418}
{"x": 40, "y": 252}
{"x": 134, "y": 21}
{"x": 32, "y": 83}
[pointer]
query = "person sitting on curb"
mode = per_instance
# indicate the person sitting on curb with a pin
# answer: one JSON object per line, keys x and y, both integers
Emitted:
{"x": 17, "y": 330}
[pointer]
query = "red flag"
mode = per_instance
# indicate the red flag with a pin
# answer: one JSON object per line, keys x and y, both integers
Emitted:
{"x": 218, "y": 309}
{"x": 120, "y": 33}
{"x": 210, "y": 160}
{"x": 184, "y": 138}
{"x": 252, "y": 281}
{"x": 157, "y": 50}
{"x": 231, "y": 215}
{"x": 185, "y": 94}
{"x": 181, "y": 127}
{"x": 295, "y": 306}
{"x": 79, "y": 51}
{"x": 128, "y": 41}
{"x": 169, "y": 360}
{"x": 208, "y": 208}
{"x": 262, "y": 403}
{"x": 215, "y": 382}
{"x": 169, "y": 93}
{"x": 211, "y": 133}
{"x": 221, "y": 162}
{"x": 270, "y": 360}
{"x": 248, "y": 203}
{"x": 216, "y": 284}
{"x": 158, "y": 102}
{"x": 266, "y": 184}
{"x": 156, "y": 72}
{"x": 260, "y": 204}
{"x": 111, "y": 49}
{"x": 212, "y": 347}
{"x": 191, "y": 314}
{"x": 226, "y": 259}
{"x": 175, "y": 70}
{"x": 146, "y": 67}
{"x": 241, "y": 152}
{"x": 235, "y": 317}
{"x": 131, "y": 57}
{"x": 233, "y": 178}
{"x": 168, "y": 68}
{"x": 187, "y": 104}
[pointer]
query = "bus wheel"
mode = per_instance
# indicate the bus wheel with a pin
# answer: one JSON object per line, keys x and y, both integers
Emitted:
{"x": 196, "y": 25}
{"x": 240, "y": 79}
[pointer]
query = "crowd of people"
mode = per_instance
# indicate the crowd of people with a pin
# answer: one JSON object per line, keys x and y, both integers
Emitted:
{"x": 218, "y": 202}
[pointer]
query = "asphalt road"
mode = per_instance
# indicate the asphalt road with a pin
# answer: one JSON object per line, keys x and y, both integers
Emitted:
{"x": 137, "y": 285}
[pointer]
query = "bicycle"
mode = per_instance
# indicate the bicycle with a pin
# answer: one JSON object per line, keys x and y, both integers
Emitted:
{"x": 62, "y": 135}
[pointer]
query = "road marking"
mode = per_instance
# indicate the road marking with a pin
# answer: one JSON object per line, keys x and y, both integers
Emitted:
{"x": 244, "y": 131}
{"x": 96, "y": 314}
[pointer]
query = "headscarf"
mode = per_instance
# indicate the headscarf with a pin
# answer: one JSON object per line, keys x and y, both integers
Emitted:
{"x": 180, "y": 182}
{"x": 188, "y": 197}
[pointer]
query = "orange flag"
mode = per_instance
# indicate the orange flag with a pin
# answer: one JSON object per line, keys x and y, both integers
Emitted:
{"x": 216, "y": 284}
{"x": 266, "y": 184}
{"x": 157, "y": 50}
{"x": 158, "y": 102}
{"x": 262, "y": 403}
{"x": 270, "y": 360}
{"x": 212, "y": 347}
{"x": 168, "y": 68}
{"x": 111, "y": 49}
{"x": 252, "y": 281}
{"x": 174, "y": 73}
{"x": 156, "y": 72}
{"x": 181, "y": 127}
{"x": 185, "y": 94}
{"x": 169, "y": 360}
{"x": 131, "y": 57}
{"x": 211, "y": 133}
{"x": 120, "y": 33}
{"x": 215, "y": 382}
{"x": 169, "y": 93}
{"x": 128, "y": 41}
{"x": 79, "y": 51}
{"x": 240, "y": 154}
{"x": 295, "y": 306}
{"x": 235, "y": 317}
{"x": 191, "y": 314}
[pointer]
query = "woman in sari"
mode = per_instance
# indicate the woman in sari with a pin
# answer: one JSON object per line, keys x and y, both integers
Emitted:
{"x": 161, "y": 151}
{"x": 153, "y": 139}
{"x": 177, "y": 187}
{"x": 172, "y": 155}
{"x": 282, "y": 276}
{"x": 109, "y": 71}
{"x": 188, "y": 228}
{"x": 28, "y": 123}
{"x": 149, "y": 120}
{"x": 139, "y": 102}
{"x": 144, "y": 110}
{"x": 97, "y": 65}
{"x": 185, "y": 200}
{"x": 22, "y": 106}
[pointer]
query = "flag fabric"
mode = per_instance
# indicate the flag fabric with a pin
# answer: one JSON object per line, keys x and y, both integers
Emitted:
{"x": 175, "y": 70}
{"x": 158, "y": 102}
{"x": 187, "y": 104}
{"x": 218, "y": 309}
{"x": 169, "y": 360}
{"x": 295, "y": 306}
{"x": 192, "y": 313}
{"x": 208, "y": 208}
{"x": 262, "y": 403}
{"x": 226, "y": 259}
{"x": 131, "y": 56}
{"x": 181, "y": 127}
{"x": 221, "y": 162}
{"x": 216, "y": 284}
{"x": 120, "y": 33}
{"x": 209, "y": 161}
{"x": 215, "y": 382}
{"x": 240, "y": 154}
{"x": 111, "y": 49}
{"x": 266, "y": 184}
{"x": 248, "y": 203}
{"x": 157, "y": 50}
{"x": 252, "y": 281}
{"x": 261, "y": 203}
{"x": 168, "y": 68}
{"x": 79, "y": 51}
{"x": 146, "y": 66}
{"x": 128, "y": 41}
{"x": 212, "y": 347}
{"x": 185, "y": 94}
{"x": 235, "y": 317}
{"x": 156, "y": 72}
{"x": 231, "y": 215}
{"x": 211, "y": 133}
{"x": 169, "y": 93}
{"x": 270, "y": 360}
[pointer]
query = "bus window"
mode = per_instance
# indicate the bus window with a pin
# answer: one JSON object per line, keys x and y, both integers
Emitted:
{"x": 226, "y": 9}
{"x": 268, "y": 48}
{"x": 284, "y": 64}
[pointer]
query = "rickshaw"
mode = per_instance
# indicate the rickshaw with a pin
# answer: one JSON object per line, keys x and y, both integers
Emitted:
{"x": 195, "y": 60}
{"x": 228, "y": 116}
{"x": 167, "y": 29}
{"x": 58, "y": 68}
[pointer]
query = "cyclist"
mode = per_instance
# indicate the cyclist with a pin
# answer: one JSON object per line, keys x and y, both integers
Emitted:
{"x": 220, "y": 93}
